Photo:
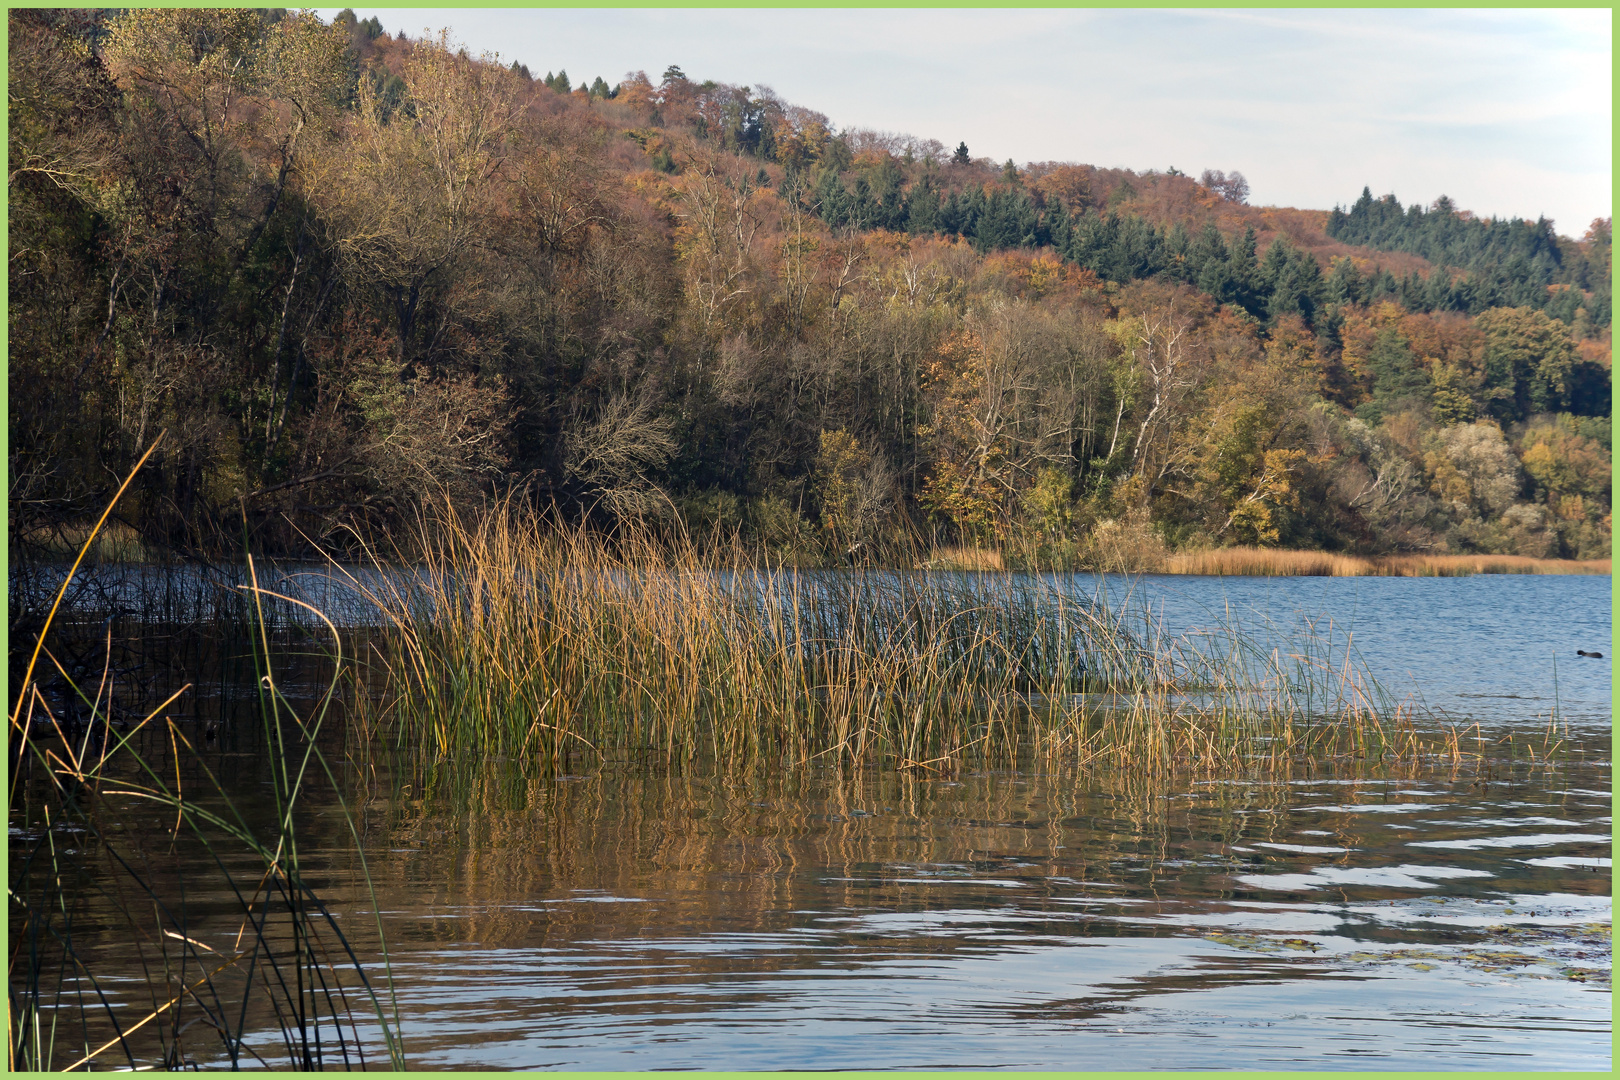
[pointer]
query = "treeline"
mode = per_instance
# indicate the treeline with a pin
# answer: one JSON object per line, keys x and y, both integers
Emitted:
{"x": 1504, "y": 264}
{"x": 869, "y": 180}
{"x": 1513, "y": 263}
{"x": 347, "y": 271}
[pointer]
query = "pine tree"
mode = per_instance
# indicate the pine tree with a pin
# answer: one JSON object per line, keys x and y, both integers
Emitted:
{"x": 922, "y": 208}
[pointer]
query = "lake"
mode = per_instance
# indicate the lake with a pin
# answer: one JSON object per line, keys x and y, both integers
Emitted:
{"x": 1334, "y": 917}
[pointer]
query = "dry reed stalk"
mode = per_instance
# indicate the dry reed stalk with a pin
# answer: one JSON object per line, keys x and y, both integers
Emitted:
{"x": 963, "y": 558}
{"x": 510, "y": 638}
{"x": 289, "y": 952}
{"x": 1280, "y": 563}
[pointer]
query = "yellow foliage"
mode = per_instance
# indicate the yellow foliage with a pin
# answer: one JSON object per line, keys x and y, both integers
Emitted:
{"x": 954, "y": 494}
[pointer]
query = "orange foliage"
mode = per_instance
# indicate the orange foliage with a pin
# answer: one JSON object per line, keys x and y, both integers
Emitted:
{"x": 1070, "y": 184}
{"x": 1596, "y": 352}
{"x": 1291, "y": 351}
{"x": 800, "y": 144}
{"x": 1040, "y": 275}
{"x": 637, "y": 91}
{"x": 1443, "y": 337}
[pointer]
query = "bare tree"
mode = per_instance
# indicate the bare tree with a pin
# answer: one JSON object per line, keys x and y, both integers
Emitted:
{"x": 411, "y": 189}
{"x": 613, "y": 455}
{"x": 1230, "y": 186}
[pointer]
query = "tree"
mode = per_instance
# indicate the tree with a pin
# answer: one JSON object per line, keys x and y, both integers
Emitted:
{"x": 853, "y": 488}
{"x": 721, "y": 210}
{"x": 961, "y": 156}
{"x": 1528, "y": 362}
{"x": 1474, "y": 471}
{"x": 1229, "y": 186}
{"x": 1167, "y": 361}
{"x": 411, "y": 194}
{"x": 615, "y": 454}
{"x": 1396, "y": 377}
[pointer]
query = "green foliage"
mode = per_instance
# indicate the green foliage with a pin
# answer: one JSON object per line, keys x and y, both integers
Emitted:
{"x": 1569, "y": 456}
{"x": 1507, "y": 263}
{"x": 1396, "y": 378}
{"x": 1529, "y": 360}
{"x": 1049, "y": 502}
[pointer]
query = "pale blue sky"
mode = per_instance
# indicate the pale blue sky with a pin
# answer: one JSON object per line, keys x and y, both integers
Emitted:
{"x": 1507, "y": 111}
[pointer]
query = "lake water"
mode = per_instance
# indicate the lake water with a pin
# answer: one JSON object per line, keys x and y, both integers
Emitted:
{"x": 1492, "y": 648}
{"x": 996, "y": 920}
{"x": 1035, "y": 919}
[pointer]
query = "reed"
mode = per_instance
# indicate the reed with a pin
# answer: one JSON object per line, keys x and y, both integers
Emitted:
{"x": 117, "y": 854}
{"x": 503, "y": 636}
{"x": 1271, "y": 562}
{"x": 962, "y": 558}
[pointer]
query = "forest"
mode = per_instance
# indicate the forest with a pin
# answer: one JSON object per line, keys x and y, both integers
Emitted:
{"x": 348, "y": 272}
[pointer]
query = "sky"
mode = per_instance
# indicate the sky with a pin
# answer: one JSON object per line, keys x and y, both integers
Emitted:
{"x": 1509, "y": 112}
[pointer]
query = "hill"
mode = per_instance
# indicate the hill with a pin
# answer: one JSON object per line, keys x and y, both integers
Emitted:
{"x": 346, "y": 270}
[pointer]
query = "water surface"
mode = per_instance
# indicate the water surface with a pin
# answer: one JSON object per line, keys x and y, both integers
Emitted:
{"x": 634, "y": 918}
{"x": 1007, "y": 920}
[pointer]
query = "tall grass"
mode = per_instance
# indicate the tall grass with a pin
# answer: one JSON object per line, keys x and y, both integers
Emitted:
{"x": 1270, "y": 562}
{"x": 126, "y": 884}
{"x": 504, "y": 636}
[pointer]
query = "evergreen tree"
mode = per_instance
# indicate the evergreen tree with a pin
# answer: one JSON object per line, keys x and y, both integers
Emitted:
{"x": 1207, "y": 264}
{"x": 1396, "y": 376}
{"x": 922, "y": 208}
{"x": 889, "y": 205}
{"x": 833, "y": 203}
{"x": 951, "y": 216}
{"x": 1509, "y": 262}
{"x": 1059, "y": 226}
{"x": 1244, "y": 271}
{"x": 1345, "y": 285}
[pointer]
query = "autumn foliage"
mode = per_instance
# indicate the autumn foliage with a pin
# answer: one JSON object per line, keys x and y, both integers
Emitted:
{"x": 346, "y": 270}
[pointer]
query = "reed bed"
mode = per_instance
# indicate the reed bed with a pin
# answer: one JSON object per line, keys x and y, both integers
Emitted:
{"x": 962, "y": 558}
{"x": 502, "y": 636}
{"x": 1269, "y": 562}
{"x": 151, "y": 924}
{"x": 120, "y": 866}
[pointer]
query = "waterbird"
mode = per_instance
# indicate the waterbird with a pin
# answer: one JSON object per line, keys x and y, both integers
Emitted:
{"x": 1593, "y": 655}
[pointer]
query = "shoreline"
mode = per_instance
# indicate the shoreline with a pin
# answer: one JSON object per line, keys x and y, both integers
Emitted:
{"x": 1216, "y": 562}
{"x": 1274, "y": 562}
{"x": 1261, "y": 562}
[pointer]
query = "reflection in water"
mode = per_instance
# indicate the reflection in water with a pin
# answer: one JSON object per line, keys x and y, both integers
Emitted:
{"x": 827, "y": 920}
{"x": 811, "y": 918}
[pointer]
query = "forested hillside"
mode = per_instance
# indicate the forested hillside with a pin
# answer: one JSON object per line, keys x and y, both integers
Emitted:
{"x": 348, "y": 271}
